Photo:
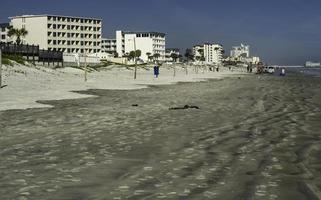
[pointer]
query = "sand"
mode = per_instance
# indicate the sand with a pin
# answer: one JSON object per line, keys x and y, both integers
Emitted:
{"x": 28, "y": 84}
{"x": 257, "y": 137}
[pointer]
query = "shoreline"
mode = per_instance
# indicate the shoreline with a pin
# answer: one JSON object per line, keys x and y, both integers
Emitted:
{"x": 29, "y": 85}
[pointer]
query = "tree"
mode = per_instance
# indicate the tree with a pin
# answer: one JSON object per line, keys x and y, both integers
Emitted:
{"x": 156, "y": 56}
{"x": 148, "y": 54}
{"x": 189, "y": 54}
{"x": 138, "y": 53}
{"x": 131, "y": 55}
{"x": 174, "y": 56}
{"x": 18, "y": 33}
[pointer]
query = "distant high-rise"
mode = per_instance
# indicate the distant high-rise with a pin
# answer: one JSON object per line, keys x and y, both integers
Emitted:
{"x": 240, "y": 51}
{"x": 61, "y": 33}
{"x": 213, "y": 53}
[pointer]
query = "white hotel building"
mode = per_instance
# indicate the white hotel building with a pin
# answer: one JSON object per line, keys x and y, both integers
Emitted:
{"x": 197, "y": 50}
{"x": 213, "y": 53}
{"x": 108, "y": 46}
{"x": 240, "y": 51}
{"x": 61, "y": 33}
{"x": 146, "y": 42}
{"x": 4, "y": 32}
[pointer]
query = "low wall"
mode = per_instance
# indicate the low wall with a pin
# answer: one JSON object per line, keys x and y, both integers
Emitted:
{"x": 72, "y": 59}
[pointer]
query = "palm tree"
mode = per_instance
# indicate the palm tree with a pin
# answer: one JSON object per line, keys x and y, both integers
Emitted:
{"x": 18, "y": 33}
{"x": 156, "y": 56}
{"x": 174, "y": 56}
{"x": 148, "y": 54}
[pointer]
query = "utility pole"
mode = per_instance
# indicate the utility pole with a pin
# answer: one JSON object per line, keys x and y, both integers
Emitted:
{"x": 135, "y": 73}
{"x": 0, "y": 68}
{"x": 85, "y": 67}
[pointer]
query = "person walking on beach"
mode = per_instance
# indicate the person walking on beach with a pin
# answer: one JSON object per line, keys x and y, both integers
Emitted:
{"x": 156, "y": 71}
{"x": 282, "y": 72}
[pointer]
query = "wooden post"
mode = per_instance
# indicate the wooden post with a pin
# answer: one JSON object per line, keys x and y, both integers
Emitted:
{"x": 0, "y": 68}
{"x": 28, "y": 51}
{"x": 135, "y": 74}
{"x": 174, "y": 71}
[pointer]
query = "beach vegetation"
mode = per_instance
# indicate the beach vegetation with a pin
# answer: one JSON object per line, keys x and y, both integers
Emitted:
{"x": 18, "y": 33}
{"x": 16, "y": 58}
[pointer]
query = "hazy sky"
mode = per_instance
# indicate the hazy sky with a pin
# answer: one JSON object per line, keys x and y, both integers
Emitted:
{"x": 279, "y": 31}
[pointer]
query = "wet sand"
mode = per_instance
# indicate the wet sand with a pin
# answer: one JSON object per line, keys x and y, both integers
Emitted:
{"x": 257, "y": 137}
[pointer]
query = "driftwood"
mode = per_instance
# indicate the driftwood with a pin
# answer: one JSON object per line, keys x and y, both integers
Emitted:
{"x": 184, "y": 107}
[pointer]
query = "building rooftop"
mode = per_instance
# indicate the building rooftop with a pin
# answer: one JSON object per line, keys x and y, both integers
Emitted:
{"x": 47, "y": 15}
{"x": 144, "y": 32}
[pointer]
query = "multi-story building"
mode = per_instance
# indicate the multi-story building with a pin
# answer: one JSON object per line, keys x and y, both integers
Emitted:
{"x": 169, "y": 52}
{"x": 61, "y": 33}
{"x": 240, "y": 51}
{"x": 108, "y": 46}
{"x": 4, "y": 32}
{"x": 198, "y": 51}
{"x": 147, "y": 42}
{"x": 213, "y": 53}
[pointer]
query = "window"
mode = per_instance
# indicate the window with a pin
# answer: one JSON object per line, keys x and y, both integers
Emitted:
{"x": 54, "y": 26}
{"x": 54, "y": 34}
{"x": 3, "y": 37}
{"x": 54, "y": 42}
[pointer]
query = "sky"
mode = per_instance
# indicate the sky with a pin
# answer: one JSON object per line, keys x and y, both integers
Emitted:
{"x": 284, "y": 32}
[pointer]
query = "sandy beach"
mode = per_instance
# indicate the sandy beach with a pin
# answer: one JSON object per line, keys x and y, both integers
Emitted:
{"x": 254, "y": 137}
{"x": 28, "y": 84}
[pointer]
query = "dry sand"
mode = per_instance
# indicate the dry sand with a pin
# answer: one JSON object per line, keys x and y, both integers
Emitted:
{"x": 28, "y": 84}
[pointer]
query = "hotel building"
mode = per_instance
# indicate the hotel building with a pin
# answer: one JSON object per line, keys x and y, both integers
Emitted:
{"x": 61, "y": 33}
{"x": 213, "y": 53}
{"x": 169, "y": 52}
{"x": 198, "y": 51}
{"x": 146, "y": 42}
{"x": 108, "y": 46}
{"x": 240, "y": 51}
{"x": 4, "y": 32}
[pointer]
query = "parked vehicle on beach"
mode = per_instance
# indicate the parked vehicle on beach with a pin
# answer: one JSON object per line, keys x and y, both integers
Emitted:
{"x": 268, "y": 69}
